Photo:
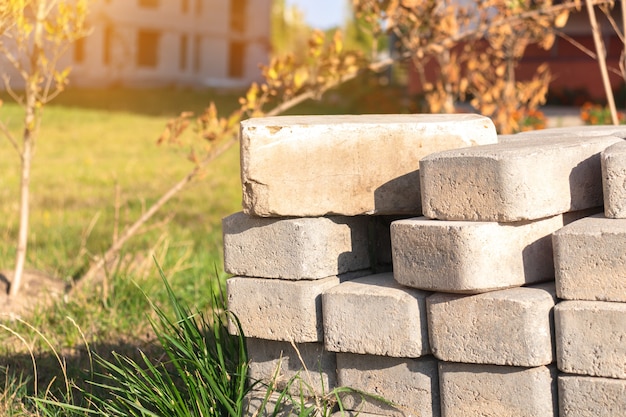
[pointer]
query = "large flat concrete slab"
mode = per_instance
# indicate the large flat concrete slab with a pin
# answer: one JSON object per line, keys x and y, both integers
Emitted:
{"x": 348, "y": 165}
{"x": 517, "y": 180}
{"x": 295, "y": 248}
{"x": 375, "y": 315}
{"x": 590, "y": 338}
{"x": 509, "y": 327}
{"x": 590, "y": 259}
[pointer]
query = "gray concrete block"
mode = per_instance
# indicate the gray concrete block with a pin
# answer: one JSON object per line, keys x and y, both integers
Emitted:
{"x": 295, "y": 248}
{"x": 348, "y": 165}
{"x": 508, "y": 327}
{"x": 590, "y": 259}
{"x": 590, "y": 338}
{"x": 284, "y": 310}
{"x": 614, "y": 180}
{"x": 472, "y": 257}
{"x": 586, "y": 396}
{"x": 375, "y": 315}
{"x": 576, "y": 131}
{"x": 411, "y": 385}
{"x": 300, "y": 367}
{"x": 514, "y": 181}
{"x": 469, "y": 390}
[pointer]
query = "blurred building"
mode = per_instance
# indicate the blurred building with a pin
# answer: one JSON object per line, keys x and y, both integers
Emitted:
{"x": 173, "y": 42}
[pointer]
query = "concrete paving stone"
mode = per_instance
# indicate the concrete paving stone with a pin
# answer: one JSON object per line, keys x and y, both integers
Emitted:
{"x": 295, "y": 248}
{"x": 519, "y": 180}
{"x": 347, "y": 164}
{"x": 614, "y": 180}
{"x": 587, "y": 396}
{"x": 375, "y": 315}
{"x": 299, "y": 367}
{"x": 284, "y": 310}
{"x": 472, "y": 257}
{"x": 469, "y": 390}
{"x": 576, "y": 131}
{"x": 511, "y": 327}
{"x": 411, "y": 385}
{"x": 590, "y": 259}
{"x": 590, "y": 338}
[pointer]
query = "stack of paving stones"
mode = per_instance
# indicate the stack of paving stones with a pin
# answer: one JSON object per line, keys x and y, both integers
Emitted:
{"x": 411, "y": 257}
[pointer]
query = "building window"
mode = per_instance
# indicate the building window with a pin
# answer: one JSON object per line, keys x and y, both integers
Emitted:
{"x": 107, "y": 45}
{"x": 184, "y": 6}
{"x": 183, "y": 52}
{"x": 198, "y": 10}
{"x": 236, "y": 53}
{"x": 79, "y": 50}
{"x": 148, "y": 48}
{"x": 238, "y": 15}
{"x": 197, "y": 44}
{"x": 149, "y": 4}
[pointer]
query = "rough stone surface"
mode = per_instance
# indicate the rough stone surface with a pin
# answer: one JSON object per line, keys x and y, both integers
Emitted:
{"x": 280, "y": 362}
{"x": 472, "y": 257}
{"x": 614, "y": 180}
{"x": 590, "y": 259}
{"x": 410, "y": 384}
{"x": 469, "y": 390}
{"x": 294, "y": 248}
{"x": 508, "y": 327}
{"x": 575, "y": 131}
{"x": 586, "y": 396}
{"x": 512, "y": 181}
{"x": 349, "y": 165}
{"x": 276, "y": 309}
{"x": 375, "y": 315}
{"x": 590, "y": 338}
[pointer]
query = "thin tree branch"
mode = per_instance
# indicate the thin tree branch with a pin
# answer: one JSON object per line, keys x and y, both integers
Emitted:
{"x": 132, "y": 230}
{"x": 11, "y": 138}
{"x": 601, "y": 52}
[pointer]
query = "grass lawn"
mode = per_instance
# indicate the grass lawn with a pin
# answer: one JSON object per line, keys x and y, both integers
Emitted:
{"x": 97, "y": 151}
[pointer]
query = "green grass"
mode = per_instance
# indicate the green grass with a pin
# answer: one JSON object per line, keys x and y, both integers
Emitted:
{"x": 95, "y": 145}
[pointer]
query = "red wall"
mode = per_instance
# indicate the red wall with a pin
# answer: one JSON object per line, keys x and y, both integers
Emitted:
{"x": 571, "y": 68}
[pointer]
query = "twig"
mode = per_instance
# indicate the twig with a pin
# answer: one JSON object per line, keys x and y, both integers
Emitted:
{"x": 130, "y": 232}
{"x": 601, "y": 52}
{"x": 10, "y": 138}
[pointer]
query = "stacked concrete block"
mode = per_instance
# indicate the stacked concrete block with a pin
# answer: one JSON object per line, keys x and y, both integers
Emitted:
{"x": 470, "y": 329}
{"x": 377, "y": 316}
{"x": 319, "y": 194}
{"x": 390, "y": 386}
{"x": 590, "y": 259}
{"x": 464, "y": 319}
{"x": 349, "y": 165}
{"x": 472, "y": 257}
{"x": 590, "y": 324}
{"x": 520, "y": 180}
{"x": 469, "y": 390}
{"x": 489, "y": 215}
{"x": 585, "y": 396}
{"x": 614, "y": 180}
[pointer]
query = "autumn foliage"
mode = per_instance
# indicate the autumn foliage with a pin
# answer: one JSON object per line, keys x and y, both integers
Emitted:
{"x": 474, "y": 48}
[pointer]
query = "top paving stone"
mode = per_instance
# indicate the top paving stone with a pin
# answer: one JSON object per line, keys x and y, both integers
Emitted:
{"x": 516, "y": 180}
{"x": 348, "y": 165}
